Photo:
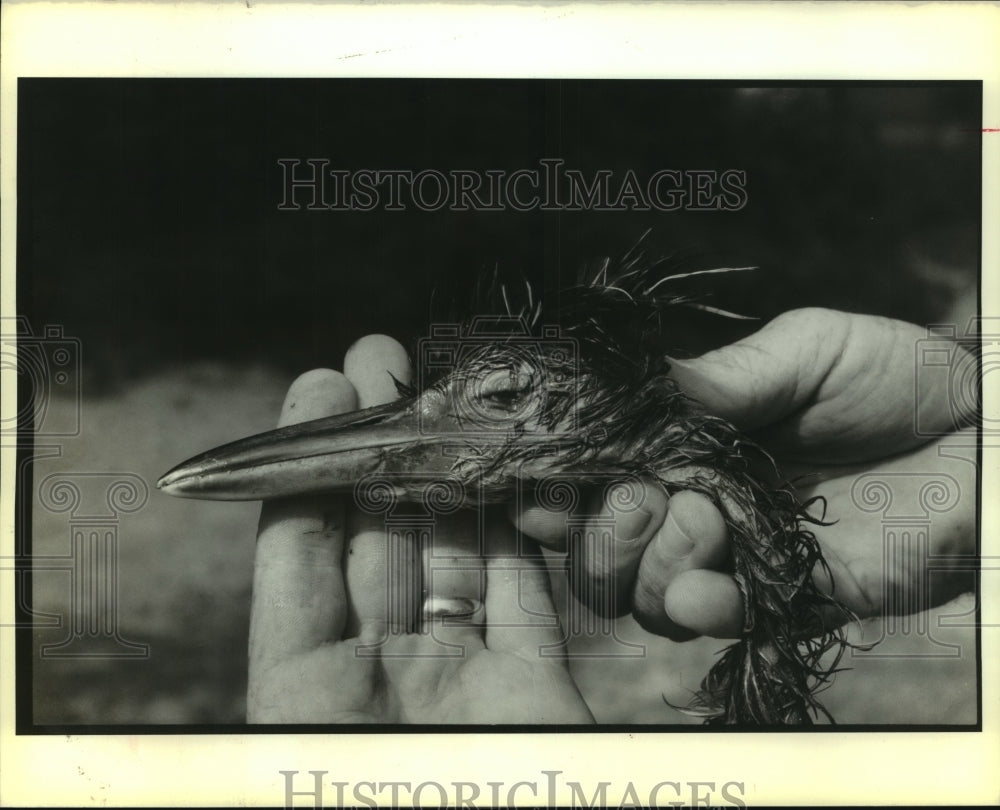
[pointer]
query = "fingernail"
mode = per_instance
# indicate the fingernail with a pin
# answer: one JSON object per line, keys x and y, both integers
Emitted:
{"x": 641, "y": 518}
{"x": 678, "y": 544}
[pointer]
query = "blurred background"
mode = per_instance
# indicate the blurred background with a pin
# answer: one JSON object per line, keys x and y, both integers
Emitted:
{"x": 149, "y": 230}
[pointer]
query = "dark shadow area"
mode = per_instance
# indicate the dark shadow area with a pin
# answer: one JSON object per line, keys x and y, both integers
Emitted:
{"x": 152, "y": 229}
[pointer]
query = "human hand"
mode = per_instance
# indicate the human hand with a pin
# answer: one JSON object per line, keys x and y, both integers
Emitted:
{"x": 346, "y": 630}
{"x": 815, "y": 387}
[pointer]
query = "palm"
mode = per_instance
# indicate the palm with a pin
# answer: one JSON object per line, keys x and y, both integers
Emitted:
{"x": 869, "y": 571}
{"x": 405, "y": 685}
{"x": 478, "y": 689}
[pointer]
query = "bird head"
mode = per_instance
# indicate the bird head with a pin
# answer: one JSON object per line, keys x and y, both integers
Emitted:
{"x": 499, "y": 401}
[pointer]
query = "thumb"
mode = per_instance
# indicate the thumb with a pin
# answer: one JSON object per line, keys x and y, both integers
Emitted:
{"x": 768, "y": 375}
{"x": 741, "y": 384}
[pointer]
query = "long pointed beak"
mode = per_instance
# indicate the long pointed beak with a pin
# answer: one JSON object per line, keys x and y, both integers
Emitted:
{"x": 324, "y": 455}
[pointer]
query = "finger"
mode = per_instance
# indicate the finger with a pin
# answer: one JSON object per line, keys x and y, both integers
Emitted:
{"x": 384, "y": 580}
{"x": 707, "y": 602}
{"x": 605, "y": 558}
{"x": 454, "y": 593}
{"x": 692, "y": 538}
{"x": 298, "y": 591}
{"x": 383, "y": 569}
{"x": 373, "y": 364}
{"x": 547, "y": 526}
{"x": 845, "y": 553}
{"x": 521, "y": 617}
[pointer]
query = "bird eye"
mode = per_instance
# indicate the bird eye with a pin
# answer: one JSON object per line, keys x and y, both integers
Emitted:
{"x": 508, "y": 400}
{"x": 505, "y": 389}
